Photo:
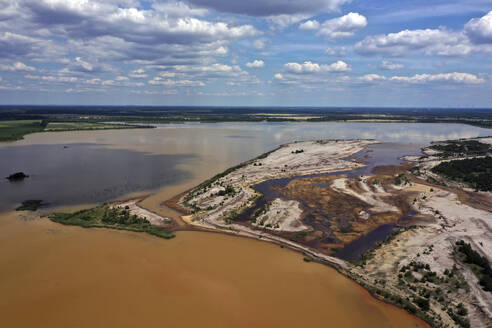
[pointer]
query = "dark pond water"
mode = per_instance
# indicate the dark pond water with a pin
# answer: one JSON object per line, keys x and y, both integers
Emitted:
{"x": 83, "y": 173}
{"x": 374, "y": 155}
{"x": 99, "y": 166}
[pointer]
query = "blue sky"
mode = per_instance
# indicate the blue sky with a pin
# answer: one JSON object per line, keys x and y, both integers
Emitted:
{"x": 247, "y": 53}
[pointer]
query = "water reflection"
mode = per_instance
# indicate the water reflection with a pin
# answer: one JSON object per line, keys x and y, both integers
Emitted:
{"x": 83, "y": 173}
{"x": 100, "y": 165}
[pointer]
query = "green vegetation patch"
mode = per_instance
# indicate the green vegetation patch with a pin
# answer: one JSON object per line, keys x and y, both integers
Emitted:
{"x": 478, "y": 264}
{"x": 460, "y": 148}
{"x": 15, "y": 130}
{"x": 476, "y": 172}
{"x": 107, "y": 217}
{"x": 30, "y": 205}
{"x": 401, "y": 179}
{"x": 347, "y": 229}
{"x": 74, "y": 126}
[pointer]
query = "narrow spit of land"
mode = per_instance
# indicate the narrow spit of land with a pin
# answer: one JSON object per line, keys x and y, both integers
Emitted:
{"x": 17, "y": 129}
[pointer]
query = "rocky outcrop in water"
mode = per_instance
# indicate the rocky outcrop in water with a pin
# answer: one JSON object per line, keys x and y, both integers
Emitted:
{"x": 18, "y": 176}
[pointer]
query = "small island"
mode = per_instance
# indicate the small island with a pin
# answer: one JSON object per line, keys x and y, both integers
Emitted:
{"x": 125, "y": 216}
{"x": 18, "y": 176}
{"x": 30, "y": 205}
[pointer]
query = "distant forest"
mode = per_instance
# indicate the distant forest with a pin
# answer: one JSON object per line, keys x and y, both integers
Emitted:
{"x": 477, "y": 117}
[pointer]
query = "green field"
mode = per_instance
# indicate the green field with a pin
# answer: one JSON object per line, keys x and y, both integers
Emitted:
{"x": 76, "y": 126}
{"x": 114, "y": 218}
{"x": 15, "y": 130}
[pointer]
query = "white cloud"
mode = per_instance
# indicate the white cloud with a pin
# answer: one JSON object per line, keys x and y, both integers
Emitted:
{"x": 176, "y": 83}
{"x": 278, "y": 76}
{"x": 336, "y": 51}
{"x": 372, "y": 78}
{"x": 255, "y": 64}
{"x": 18, "y": 66}
{"x": 310, "y": 67}
{"x": 260, "y": 43}
{"x": 342, "y": 27}
{"x": 14, "y": 45}
{"x": 479, "y": 30}
{"x": 51, "y": 78}
{"x": 309, "y": 25}
{"x": 430, "y": 41}
{"x": 454, "y": 77}
{"x": 138, "y": 74}
{"x": 263, "y": 8}
{"x": 83, "y": 64}
{"x": 122, "y": 78}
{"x": 178, "y": 9}
{"x": 387, "y": 65}
{"x": 283, "y": 21}
{"x": 220, "y": 51}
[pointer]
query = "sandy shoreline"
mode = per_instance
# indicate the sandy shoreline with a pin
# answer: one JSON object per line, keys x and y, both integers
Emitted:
{"x": 211, "y": 222}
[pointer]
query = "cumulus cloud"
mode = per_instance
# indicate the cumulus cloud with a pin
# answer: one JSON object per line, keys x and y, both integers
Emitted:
{"x": 340, "y": 27}
{"x": 462, "y": 78}
{"x": 272, "y": 7}
{"x": 51, "y": 78}
{"x": 138, "y": 74}
{"x": 430, "y": 41}
{"x": 479, "y": 30}
{"x": 14, "y": 45}
{"x": 372, "y": 78}
{"x": 387, "y": 65}
{"x": 83, "y": 64}
{"x": 178, "y": 9}
{"x": 309, "y": 25}
{"x": 278, "y": 76}
{"x": 454, "y": 77}
{"x": 18, "y": 66}
{"x": 91, "y": 19}
{"x": 310, "y": 67}
{"x": 256, "y": 64}
{"x": 336, "y": 51}
{"x": 176, "y": 83}
{"x": 260, "y": 44}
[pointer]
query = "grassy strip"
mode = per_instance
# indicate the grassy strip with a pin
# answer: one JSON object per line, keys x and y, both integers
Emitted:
{"x": 113, "y": 218}
{"x": 82, "y": 126}
{"x": 15, "y": 130}
{"x": 30, "y": 205}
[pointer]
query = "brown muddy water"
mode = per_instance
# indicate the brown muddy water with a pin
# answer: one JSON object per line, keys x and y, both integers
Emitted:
{"x": 57, "y": 276}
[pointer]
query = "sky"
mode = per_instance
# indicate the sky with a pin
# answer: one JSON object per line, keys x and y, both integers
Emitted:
{"x": 407, "y": 53}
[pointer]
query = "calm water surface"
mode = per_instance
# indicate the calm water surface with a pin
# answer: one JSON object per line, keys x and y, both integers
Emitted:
{"x": 58, "y": 276}
{"x": 69, "y": 168}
